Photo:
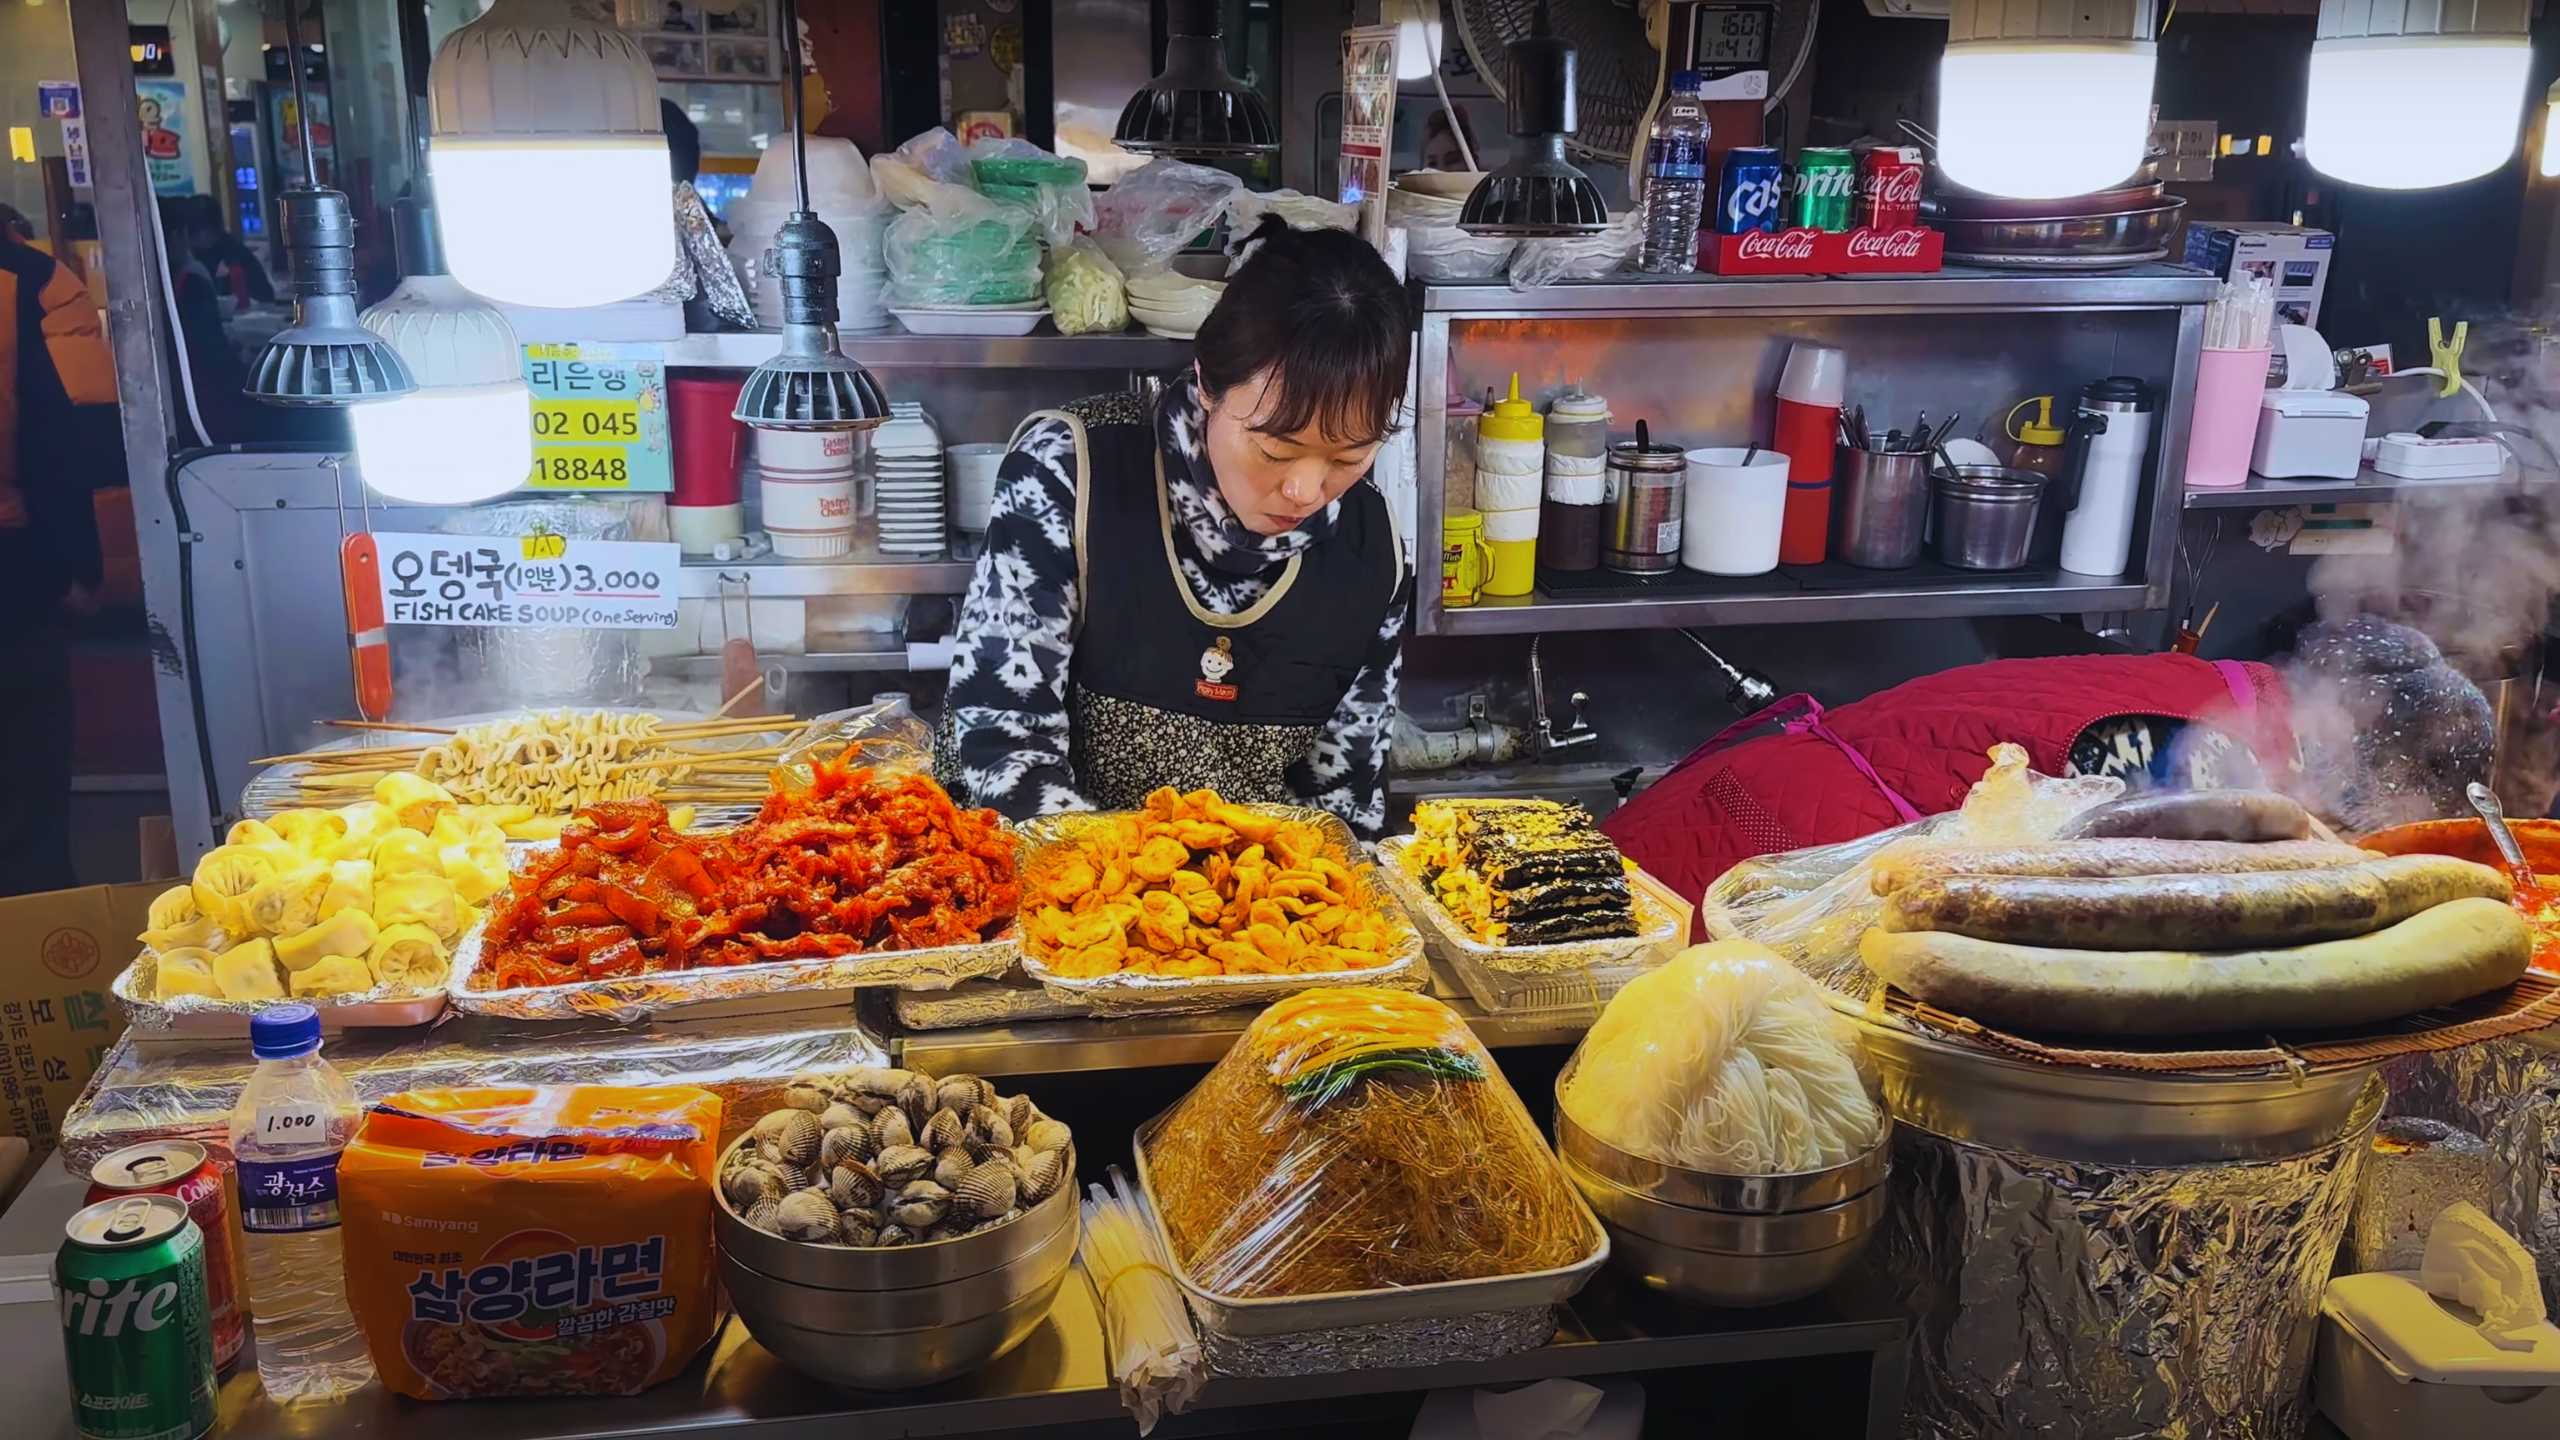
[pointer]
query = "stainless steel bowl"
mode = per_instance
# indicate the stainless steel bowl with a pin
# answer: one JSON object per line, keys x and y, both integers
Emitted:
{"x": 1704, "y": 1190}
{"x": 1719, "y": 1257}
{"x": 2124, "y": 232}
{"x": 795, "y": 1301}
{"x": 845, "y": 1353}
{"x": 1985, "y": 516}
{"x": 904, "y": 1267}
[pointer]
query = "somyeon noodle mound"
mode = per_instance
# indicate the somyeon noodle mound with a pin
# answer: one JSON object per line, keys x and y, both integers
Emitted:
{"x": 1358, "y": 1139}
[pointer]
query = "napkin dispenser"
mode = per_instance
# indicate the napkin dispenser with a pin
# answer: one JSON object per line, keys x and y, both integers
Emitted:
{"x": 2308, "y": 434}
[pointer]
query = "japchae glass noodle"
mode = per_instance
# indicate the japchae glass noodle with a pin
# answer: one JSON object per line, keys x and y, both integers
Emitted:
{"x": 1358, "y": 1139}
{"x": 1727, "y": 1060}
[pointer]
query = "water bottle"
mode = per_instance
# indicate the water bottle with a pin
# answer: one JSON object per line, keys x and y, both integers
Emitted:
{"x": 1675, "y": 180}
{"x": 292, "y": 1121}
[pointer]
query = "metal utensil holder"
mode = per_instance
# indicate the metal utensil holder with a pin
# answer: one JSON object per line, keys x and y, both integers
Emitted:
{"x": 1881, "y": 507}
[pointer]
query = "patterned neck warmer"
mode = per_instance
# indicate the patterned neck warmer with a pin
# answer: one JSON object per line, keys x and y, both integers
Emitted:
{"x": 1192, "y": 486}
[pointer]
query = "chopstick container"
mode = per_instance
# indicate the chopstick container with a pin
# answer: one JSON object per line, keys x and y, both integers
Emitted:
{"x": 1985, "y": 515}
{"x": 2229, "y": 385}
{"x": 1646, "y": 489}
{"x": 1736, "y": 512}
{"x": 1880, "y": 507}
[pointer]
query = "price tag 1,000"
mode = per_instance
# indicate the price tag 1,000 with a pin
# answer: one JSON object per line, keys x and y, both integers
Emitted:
{"x": 599, "y": 418}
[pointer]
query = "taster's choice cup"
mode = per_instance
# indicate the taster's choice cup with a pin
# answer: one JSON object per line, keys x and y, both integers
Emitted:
{"x": 807, "y": 481}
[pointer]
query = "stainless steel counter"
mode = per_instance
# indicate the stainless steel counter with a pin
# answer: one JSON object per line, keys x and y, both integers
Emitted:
{"x": 1085, "y": 1044}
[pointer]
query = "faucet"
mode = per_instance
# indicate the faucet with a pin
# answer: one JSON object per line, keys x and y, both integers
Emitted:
{"x": 1577, "y": 731}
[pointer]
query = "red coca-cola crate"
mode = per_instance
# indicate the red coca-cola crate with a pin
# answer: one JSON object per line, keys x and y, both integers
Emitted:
{"x": 1909, "y": 250}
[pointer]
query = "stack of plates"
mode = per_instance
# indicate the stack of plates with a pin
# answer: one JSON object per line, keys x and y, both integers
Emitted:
{"x": 906, "y": 461}
{"x": 1171, "y": 304}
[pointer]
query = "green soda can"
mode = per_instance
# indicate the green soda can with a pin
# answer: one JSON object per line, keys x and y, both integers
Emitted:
{"x": 137, "y": 1327}
{"x": 1823, "y": 190}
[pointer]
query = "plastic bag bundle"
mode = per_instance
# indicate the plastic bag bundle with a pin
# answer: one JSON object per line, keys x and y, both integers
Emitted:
{"x": 1727, "y": 1061}
{"x": 1358, "y": 1139}
{"x": 965, "y": 250}
{"x": 1051, "y": 187}
{"x": 1144, "y": 221}
{"x": 1086, "y": 293}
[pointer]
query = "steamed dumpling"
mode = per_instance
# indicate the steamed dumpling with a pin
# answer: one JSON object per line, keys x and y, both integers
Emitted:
{"x": 367, "y": 823}
{"x": 247, "y": 971}
{"x": 419, "y": 899}
{"x": 409, "y": 957}
{"x": 473, "y": 854}
{"x": 255, "y": 835}
{"x": 313, "y": 832}
{"x": 173, "y": 906}
{"x": 177, "y": 922}
{"x": 349, "y": 932}
{"x": 288, "y": 902}
{"x": 186, "y": 972}
{"x": 350, "y": 888}
{"x": 413, "y": 799}
{"x": 403, "y": 851}
{"x": 332, "y": 975}
{"x": 224, "y": 878}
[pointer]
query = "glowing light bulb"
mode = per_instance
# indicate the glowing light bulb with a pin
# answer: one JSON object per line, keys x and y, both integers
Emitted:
{"x": 2038, "y": 119}
{"x": 2407, "y": 112}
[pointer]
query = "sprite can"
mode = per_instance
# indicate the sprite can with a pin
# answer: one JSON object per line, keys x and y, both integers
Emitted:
{"x": 1823, "y": 190}
{"x": 137, "y": 1328}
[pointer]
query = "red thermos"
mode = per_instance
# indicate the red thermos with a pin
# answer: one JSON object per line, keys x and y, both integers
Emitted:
{"x": 1808, "y": 430}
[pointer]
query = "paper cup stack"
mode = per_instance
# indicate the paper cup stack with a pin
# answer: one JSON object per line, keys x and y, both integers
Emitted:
{"x": 973, "y": 485}
{"x": 907, "y": 463}
{"x": 806, "y": 481}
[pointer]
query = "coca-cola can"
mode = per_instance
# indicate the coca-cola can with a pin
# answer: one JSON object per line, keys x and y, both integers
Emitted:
{"x": 181, "y": 1170}
{"x": 1888, "y": 188}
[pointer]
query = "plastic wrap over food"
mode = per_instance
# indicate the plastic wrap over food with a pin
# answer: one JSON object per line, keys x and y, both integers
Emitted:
{"x": 1811, "y": 905}
{"x": 1187, "y": 922}
{"x": 535, "y": 665}
{"x": 2417, "y": 1168}
{"x": 1151, "y": 213}
{"x": 2081, "y": 1301}
{"x": 2508, "y": 1093}
{"x": 1359, "y": 1144}
{"x": 152, "y": 1092}
{"x": 1662, "y": 923}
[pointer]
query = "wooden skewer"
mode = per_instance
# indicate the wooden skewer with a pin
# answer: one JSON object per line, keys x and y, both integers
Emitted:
{"x": 744, "y": 691}
{"x": 396, "y": 727}
{"x": 663, "y": 762}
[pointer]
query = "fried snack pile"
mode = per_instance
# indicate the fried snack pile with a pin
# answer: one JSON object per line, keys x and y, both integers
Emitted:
{"x": 1521, "y": 872}
{"x": 859, "y": 862}
{"x": 316, "y": 903}
{"x": 1192, "y": 885}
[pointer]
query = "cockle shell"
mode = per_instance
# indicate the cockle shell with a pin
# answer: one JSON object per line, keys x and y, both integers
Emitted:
{"x": 1047, "y": 1134}
{"x": 950, "y": 1165}
{"x": 961, "y": 1093}
{"x": 762, "y": 1215}
{"x": 806, "y": 1215}
{"x": 989, "y": 1130}
{"x": 803, "y": 1096}
{"x": 747, "y": 1184}
{"x": 849, "y": 1142}
{"x": 891, "y": 1128}
{"x": 943, "y": 1130}
{"x": 986, "y": 1191}
{"x": 854, "y": 1185}
{"x": 792, "y": 1138}
{"x": 855, "y": 1228}
{"x": 921, "y": 1205}
{"x": 795, "y": 1177}
{"x": 916, "y": 1098}
{"x": 840, "y": 1116}
{"x": 902, "y": 1163}
{"x": 1020, "y": 1112}
{"x": 893, "y": 1234}
{"x": 1041, "y": 1174}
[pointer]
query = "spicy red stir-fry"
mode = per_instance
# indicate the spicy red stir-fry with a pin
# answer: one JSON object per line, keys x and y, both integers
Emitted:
{"x": 858, "y": 862}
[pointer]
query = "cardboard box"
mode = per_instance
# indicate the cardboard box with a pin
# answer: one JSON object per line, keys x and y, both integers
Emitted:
{"x": 58, "y": 953}
{"x": 2296, "y": 257}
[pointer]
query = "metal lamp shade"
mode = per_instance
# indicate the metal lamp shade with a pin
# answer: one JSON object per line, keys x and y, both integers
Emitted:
{"x": 1196, "y": 107}
{"x": 812, "y": 384}
{"x": 324, "y": 357}
{"x": 1540, "y": 192}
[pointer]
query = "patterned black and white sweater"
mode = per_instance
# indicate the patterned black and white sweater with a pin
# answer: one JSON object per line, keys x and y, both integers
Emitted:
{"x": 1007, "y": 729}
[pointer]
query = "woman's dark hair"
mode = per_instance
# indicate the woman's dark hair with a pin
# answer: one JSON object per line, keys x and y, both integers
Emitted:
{"x": 1325, "y": 316}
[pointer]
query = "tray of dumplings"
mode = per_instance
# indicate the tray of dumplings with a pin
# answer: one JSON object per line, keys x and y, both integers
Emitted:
{"x": 357, "y": 910}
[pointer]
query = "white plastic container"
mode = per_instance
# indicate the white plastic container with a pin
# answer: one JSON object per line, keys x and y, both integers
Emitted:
{"x": 1001, "y": 320}
{"x": 2393, "y": 1364}
{"x": 293, "y": 1119}
{"x": 806, "y": 479}
{"x": 1735, "y": 508}
{"x": 2416, "y": 457}
{"x": 2309, "y": 434}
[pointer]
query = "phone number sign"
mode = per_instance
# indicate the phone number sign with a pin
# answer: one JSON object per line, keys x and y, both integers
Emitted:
{"x": 528, "y": 581}
{"x": 599, "y": 418}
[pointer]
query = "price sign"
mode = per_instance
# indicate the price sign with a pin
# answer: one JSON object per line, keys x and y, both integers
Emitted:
{"x": 527, "y": 581}
{"x": 599, "y": 417}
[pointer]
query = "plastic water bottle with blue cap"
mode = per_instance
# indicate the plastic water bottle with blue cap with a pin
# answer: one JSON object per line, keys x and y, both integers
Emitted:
{"x": 293, "y": 1120}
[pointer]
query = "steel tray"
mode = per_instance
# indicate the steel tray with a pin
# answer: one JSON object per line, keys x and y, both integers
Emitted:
{"x": 198, "y": 1017}
{"x": 1167, "y": 994}
{"x": 1662, "y": 926}
{"x": 1292, "y": 1314}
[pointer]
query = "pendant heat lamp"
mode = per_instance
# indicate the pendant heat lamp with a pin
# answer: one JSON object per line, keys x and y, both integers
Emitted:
{"x": 2043, "y": 101}
{"x": 550, "y": 167}
{"x": 1196, "y": 108}
{"x": 1539, "y": 191}
{"x": 466, "y": 433}
{"x": 322, "y": 357}
{"x": 2408, "y": 94}
{"x": 812, "y": 384}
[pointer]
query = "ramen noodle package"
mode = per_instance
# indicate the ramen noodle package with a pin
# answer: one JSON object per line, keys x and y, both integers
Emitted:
{"x": 551, "y": 1240}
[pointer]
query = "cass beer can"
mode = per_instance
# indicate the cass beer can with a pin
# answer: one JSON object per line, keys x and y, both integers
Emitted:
{"x": 1889, "y": 188}
{"x": 181, "y": 1168}
{"x": 137, "y": 1332}
{"x": 1823, "y": 191}
{"x": 1751, "y": 193}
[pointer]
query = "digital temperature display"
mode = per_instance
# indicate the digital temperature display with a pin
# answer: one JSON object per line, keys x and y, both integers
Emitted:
{"x": 1728, "y": 39}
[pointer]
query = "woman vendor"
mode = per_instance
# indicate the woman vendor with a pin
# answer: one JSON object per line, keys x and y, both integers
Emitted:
{"x": 1203, "y": 591}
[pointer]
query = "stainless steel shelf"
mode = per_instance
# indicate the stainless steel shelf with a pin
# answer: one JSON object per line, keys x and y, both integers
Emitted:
{"x": 1956, "y": 288}
{"x": 768, "y": 578}
{"x": 2055, "y": 593}
{"x": 892, "y": 349}
{"x": 1085, "y": 1043}
{"x": 2369, "y": 485}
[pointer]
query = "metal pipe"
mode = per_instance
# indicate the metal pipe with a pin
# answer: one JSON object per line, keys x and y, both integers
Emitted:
{"x": 301, "y": 96}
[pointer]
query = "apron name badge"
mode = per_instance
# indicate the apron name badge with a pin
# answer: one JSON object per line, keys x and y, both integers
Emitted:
{"x": 1216, "y": 664}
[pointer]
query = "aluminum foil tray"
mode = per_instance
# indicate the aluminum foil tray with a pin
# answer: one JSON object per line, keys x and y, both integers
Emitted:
{"x": 1426, "y": 1308}
{"x": 198, "y": 1017}
{"x": 1005, "y": 1000}
{"x": 1662, "y": 927}
{"x": 1165, "y": 994}
{"x": 1439, "y": 1340}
